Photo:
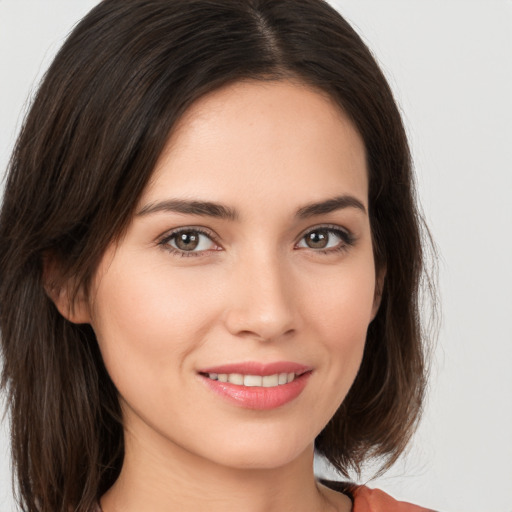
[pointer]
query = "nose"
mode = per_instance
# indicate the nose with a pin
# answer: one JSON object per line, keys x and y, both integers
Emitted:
{"x": 261, "y": 300}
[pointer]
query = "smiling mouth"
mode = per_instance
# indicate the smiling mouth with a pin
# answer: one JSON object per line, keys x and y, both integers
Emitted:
{"x": 257, "y": 386}
{"x": 265, "y": 381}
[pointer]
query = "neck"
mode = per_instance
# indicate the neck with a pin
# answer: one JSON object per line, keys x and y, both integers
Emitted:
{"x": 169, "y": 478}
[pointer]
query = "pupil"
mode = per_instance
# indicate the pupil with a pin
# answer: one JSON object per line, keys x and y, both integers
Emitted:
{"x": 317, "y": 239}
{"x": 187, "y": 241}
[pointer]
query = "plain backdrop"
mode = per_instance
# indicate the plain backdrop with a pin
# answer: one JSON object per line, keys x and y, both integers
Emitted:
{"x": 449, "y": 63}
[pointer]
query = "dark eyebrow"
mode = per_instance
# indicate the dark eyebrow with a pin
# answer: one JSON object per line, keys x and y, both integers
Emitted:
{"x": 192, "y": 208}
{"x": 330, "y": 205}
{"x": 220, "y": 211}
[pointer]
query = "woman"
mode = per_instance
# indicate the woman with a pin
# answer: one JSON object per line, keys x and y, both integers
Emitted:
{"x": 210, "y": 256}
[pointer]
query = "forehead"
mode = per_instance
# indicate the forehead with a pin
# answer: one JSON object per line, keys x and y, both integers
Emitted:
{"x": 278, "y": 139}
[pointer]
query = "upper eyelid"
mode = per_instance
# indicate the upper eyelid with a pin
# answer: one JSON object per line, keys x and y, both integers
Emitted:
{"x": 164, "y": 241}
{"x": 210, "y": 232}
{"x": 328, "y": 227}
{"x": 166, "y": 235}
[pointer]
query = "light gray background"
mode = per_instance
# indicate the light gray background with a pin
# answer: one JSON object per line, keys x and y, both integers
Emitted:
{"x": 450, "y": 65}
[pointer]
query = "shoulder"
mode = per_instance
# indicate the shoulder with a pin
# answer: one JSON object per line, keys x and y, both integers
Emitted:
{"x": 371, "y": 500}
{"x": 375, "y": 500}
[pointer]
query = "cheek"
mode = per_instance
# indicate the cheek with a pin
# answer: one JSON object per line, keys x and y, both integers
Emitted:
{"x": 340, "y": 314}
{"x": 150, "y": 319}
{"x": 341, "y": 303}
{"x": 344, "y": 335}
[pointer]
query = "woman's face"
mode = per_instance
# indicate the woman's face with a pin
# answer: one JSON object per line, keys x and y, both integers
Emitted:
{"x": 249, "y": 260}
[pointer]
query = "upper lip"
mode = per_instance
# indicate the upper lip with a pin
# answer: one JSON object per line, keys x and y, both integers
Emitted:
{"x": 257, "y": 368}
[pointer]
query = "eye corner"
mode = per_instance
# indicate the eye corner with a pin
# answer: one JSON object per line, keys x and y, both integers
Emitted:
{"x": 198, "y": 246}
{"x": 345, "y": 236}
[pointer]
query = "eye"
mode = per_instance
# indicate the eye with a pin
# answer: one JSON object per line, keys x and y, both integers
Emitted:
{"x": 326, "y": 239}
{"x": 188, "y": 242}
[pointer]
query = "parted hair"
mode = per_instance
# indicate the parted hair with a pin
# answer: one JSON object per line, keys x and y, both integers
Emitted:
{"x": 88, "y": 146}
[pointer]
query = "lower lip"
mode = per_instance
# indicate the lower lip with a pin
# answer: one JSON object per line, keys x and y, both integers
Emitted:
{"x": 259, "y": 397}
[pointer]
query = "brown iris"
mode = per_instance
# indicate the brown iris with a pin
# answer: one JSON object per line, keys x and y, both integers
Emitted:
{"x": 317, "y": 239}
{"x": 187, "y": 240}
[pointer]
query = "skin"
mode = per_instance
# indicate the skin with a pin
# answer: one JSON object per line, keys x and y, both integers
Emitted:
{"x": 256, "y": 292}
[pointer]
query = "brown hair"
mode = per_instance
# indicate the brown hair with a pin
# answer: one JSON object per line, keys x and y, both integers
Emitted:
{"x": 88, "y": 146}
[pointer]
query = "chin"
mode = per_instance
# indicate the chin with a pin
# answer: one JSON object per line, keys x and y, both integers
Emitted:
{"x": 262, "y": 452}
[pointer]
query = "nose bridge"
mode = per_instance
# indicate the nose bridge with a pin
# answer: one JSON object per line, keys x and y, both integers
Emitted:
{"x": 262, "y": 300}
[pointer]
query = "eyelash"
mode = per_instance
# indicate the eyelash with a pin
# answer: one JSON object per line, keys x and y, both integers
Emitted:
{"x": 347, "y": 238}
{"x": 164, "y": 242}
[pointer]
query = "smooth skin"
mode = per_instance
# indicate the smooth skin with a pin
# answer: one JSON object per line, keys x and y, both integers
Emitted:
{"x": 260, "y": 284}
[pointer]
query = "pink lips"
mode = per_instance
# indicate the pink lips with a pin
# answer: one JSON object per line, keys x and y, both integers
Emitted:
{"x": 258, "y": 397}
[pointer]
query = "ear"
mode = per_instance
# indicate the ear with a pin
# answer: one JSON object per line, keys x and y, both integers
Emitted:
{"x": 379, "y": 288}
{"x": 70, "y": 302}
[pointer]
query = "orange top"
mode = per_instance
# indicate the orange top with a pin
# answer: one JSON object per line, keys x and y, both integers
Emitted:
{"x": 374, "y": 500}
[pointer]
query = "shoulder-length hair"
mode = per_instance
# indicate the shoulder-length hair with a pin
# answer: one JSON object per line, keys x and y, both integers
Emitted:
{"x": 88, "y": 147}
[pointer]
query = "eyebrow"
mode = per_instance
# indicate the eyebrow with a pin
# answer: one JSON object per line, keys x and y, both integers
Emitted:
{"x": 330, "y": 205}
{"x": 203, "y": 208}
{"x": 220, "y": 211}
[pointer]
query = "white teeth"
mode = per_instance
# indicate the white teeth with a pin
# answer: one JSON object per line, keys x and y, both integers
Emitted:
{"x": 266, "y": 381}
{"x": 269, "y": 381}
{"x": 236, "y": 378}
{"x": 252, "y": 380}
